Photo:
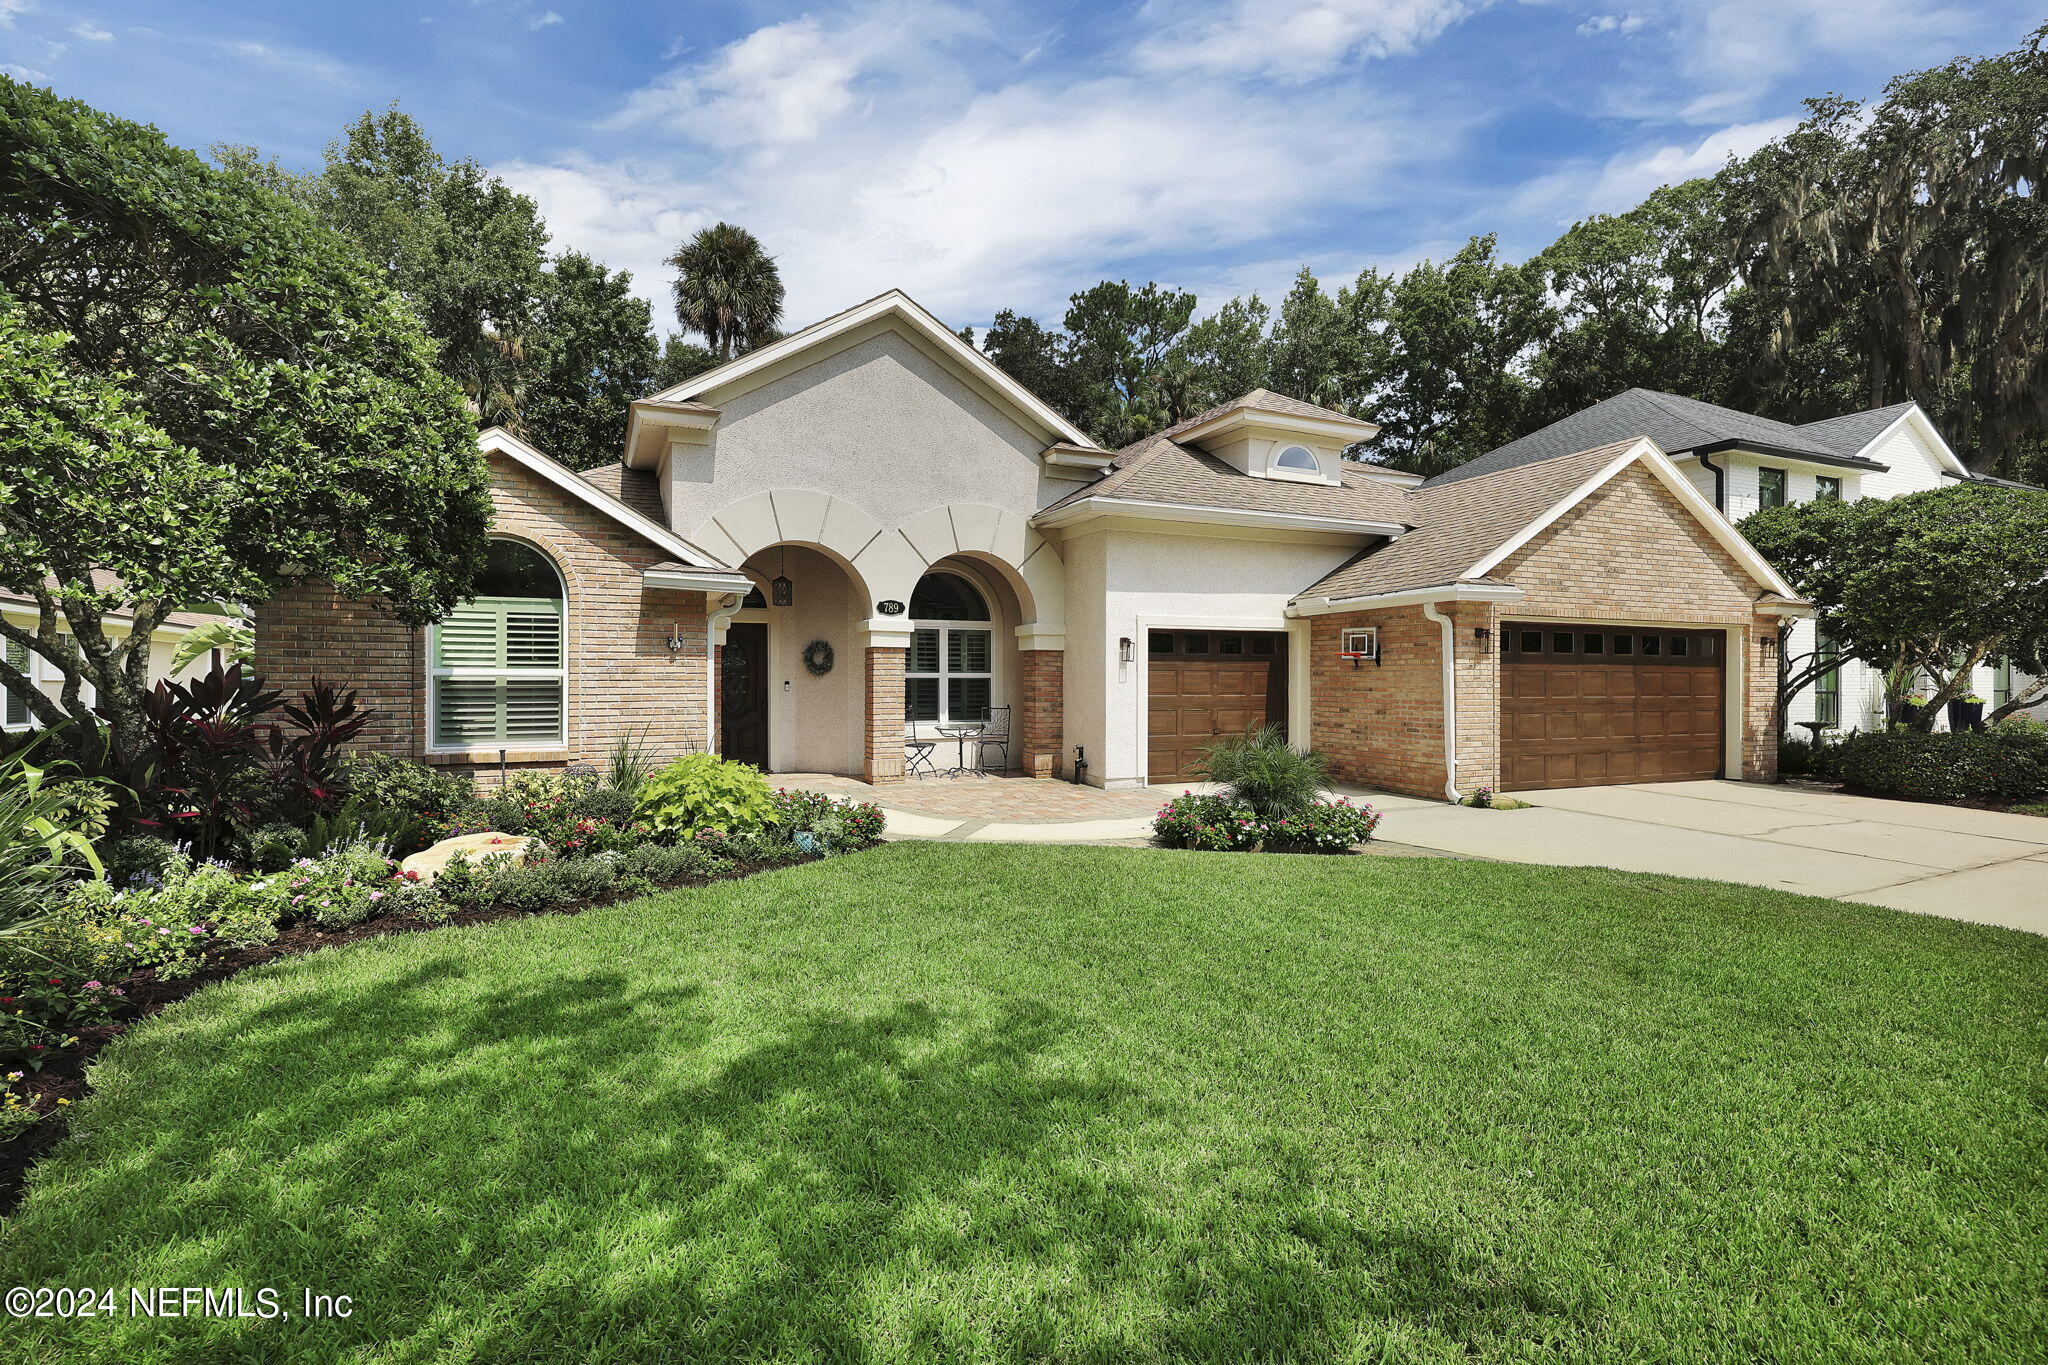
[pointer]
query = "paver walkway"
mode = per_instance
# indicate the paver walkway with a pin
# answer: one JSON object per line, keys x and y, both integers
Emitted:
{"x": 1988, "y": 866}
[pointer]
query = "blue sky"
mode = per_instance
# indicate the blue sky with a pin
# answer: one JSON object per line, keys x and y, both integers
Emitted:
{"x": 989, "y": 155}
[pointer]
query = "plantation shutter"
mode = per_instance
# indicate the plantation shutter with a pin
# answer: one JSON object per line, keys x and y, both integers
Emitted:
{"x": 498, "y": 665}
{"x": 17, "y": 708}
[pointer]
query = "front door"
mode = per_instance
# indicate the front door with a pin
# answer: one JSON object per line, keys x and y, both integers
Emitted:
{"x": 743, "y": 694}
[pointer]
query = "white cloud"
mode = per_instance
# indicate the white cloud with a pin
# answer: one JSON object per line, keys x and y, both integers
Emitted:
{"x": 1295, "y": 40}
{"x": 1626, "y": 179}
{"x": 25, "y": 73}
{"x": 545, "y": 19}
{"x": 296, "y": 63}
{"x": 91, "y": 33}
{"x": 1610, "y": 23}
{"x": 10, "y": 10}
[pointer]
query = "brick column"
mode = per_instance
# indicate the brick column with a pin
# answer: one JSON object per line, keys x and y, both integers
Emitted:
{"x": 1759, "y": 702}
{"x": 884, "y": 762}
{"x": 1041, "y": 712}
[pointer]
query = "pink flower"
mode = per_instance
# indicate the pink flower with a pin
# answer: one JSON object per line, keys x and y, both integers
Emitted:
{"x": 117, "y": 991}
{"x": 195, "y": 929}
{"x": 92, "y": 985}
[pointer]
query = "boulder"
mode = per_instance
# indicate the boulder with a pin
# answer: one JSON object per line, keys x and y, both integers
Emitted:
{"x": 428, "y": 862}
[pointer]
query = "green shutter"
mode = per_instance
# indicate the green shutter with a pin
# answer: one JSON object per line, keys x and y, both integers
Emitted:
{"x": 17, "y": 708}
{"x": 502, "y": 636}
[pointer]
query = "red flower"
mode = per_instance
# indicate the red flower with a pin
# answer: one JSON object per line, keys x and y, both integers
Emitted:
{"x": 56, "y": 981}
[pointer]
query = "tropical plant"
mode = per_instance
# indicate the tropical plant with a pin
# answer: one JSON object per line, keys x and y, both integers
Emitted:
{"x": 43, "y": 843}
{"x": 236, "y": 640}
{"x": 205, "y": 396}
{"x": 700, "y": 792}
{"x": 629, "y": 763}
{"x": 727, "y": 289}
{"x": 1262, "y": 772}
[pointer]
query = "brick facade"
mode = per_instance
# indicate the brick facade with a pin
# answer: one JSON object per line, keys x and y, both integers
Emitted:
{"x": 1629, "y": 553}
{"x": 885, "y": 709}
{"x": 1041, "y": 710}
{"x": 623, "y": 680}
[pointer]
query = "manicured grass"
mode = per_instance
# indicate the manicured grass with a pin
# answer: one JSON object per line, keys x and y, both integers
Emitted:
{"x": 966, "y": 1102}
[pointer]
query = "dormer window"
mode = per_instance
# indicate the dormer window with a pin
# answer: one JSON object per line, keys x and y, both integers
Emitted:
{"x": 1298, "y": 457}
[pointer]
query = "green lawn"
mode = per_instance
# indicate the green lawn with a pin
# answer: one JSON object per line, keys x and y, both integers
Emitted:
{"x": 950, "y": 1102}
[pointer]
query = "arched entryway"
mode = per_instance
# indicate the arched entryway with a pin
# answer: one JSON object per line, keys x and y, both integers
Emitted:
{"x": 791, "y": 679}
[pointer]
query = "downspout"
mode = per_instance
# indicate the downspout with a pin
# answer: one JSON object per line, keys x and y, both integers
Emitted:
{"x": 1429, "y": 609}
{"x": 1720, "y": 502}
{"x": 714, "y": 621}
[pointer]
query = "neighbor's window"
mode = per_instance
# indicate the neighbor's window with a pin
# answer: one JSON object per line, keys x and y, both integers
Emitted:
{"x": 17, "y": 709}
{"x": 951, "y": 672}
{"x": 498, "y": 658}
{"x": 1827, "y": 486}
{"x": 1297, "y": 457}
{"x": 1770, "y": 486}
{"x": 1827, "y": 688}
{"x": 2001, "y": 684}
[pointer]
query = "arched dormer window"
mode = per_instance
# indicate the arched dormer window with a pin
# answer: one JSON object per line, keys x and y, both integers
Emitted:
{"x": 1299, "y": 458}
{"x": 498, "y": 675}
{"x": 950, "y": 674}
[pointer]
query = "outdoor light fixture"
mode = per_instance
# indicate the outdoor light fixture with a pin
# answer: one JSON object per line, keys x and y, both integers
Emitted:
{"x": 781, "y": 591}
{"x": 1123, "y": 649}
{"x": 675, "y": 637}
{"x": 1481, "y": 633}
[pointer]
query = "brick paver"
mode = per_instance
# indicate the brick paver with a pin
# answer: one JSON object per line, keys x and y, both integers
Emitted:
{"x": 984, "y": 798}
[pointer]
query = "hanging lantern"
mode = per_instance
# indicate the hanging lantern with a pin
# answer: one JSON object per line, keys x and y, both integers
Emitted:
{"x": 781, "y": 591}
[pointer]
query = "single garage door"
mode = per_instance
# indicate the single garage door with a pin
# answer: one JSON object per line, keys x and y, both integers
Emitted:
{"x": 1587, "y": 706}
{"x": 1202, "y": 685}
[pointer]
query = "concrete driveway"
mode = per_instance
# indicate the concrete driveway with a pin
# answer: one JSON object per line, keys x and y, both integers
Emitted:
{"x": 1939, "y": 860}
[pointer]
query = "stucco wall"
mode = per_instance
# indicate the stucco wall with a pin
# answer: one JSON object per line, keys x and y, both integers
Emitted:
{"x": 880, "y": 424}
{"x": 1122, "y": 581}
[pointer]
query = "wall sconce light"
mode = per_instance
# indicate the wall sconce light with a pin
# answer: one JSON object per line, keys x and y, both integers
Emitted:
{"x": 676, "y": 642}
{"x": 1769, "y": 642}
{"x": 1123, "y": 649}
{"x": 1481, "y": 633}
{"x": 781, "y": 591}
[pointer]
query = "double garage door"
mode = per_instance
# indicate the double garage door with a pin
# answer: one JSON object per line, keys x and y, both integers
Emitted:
{"x": 1202, "y": 685}
{"x": 1586, "y": 706}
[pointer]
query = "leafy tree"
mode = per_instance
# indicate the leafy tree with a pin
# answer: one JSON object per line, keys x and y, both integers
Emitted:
{"x": 1035, "y": 357}
{"x": 1317, "y": 349}
{"x": 1916, "y": 233}
{"x": 1929, "y": 585}
{"x": 728, "y": 289}
{"x": 203, "y": 396}
{"x": 681, "y": 359}
{"x": 1118, "y": 346}
{"x": 592, "y": 353}
{"x": 1220, "y": 357}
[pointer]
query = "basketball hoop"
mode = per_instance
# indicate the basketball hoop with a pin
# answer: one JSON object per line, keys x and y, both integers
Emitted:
{"x": 1360, "y": 644}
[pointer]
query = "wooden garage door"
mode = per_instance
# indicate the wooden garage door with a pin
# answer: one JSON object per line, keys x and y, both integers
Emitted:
{"x": 1585, "y": 706}
{"x": 1202, "y": 685}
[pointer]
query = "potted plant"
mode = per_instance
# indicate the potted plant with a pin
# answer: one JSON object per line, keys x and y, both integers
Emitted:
{"x": 1966, "y": 713}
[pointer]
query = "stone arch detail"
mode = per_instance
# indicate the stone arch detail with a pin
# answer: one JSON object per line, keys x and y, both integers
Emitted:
{"x": 1004, "y": 542}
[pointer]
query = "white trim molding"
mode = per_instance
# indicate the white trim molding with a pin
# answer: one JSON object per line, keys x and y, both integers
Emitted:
{"x": 900, "y": 306}
{"x": 1343, "y": 430}
{"x": 1407, "y": 597}
{"x": 1090, "y": 508}
{"x": 719, "y": 582}
{"x": 498, "y": 441}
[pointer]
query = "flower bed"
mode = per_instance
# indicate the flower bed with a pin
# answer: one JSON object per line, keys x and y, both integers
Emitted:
{"x": 1219, "y": 825}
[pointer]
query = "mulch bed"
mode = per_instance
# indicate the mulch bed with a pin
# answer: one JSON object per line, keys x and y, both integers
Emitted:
{"x": 65, "y": 1076}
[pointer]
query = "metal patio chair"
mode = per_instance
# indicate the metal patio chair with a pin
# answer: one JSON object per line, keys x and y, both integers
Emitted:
{"x": 995, "y": 736}
{"x": 917, "y": 752}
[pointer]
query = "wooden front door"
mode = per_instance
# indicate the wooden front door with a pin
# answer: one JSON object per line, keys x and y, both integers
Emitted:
{"x": 1589, "y": 706}
{"x": 743, "y": 694}
{"x": 1202, "y": 685}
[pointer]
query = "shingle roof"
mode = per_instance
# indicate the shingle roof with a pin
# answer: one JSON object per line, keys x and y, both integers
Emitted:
{"x": 1851, "y": 432}
{"x": 102, "y": 581}
{"x": 639, "y": 489}
{"x": 1675, "y": 423}
{"x": 1160, "y": 470}
{"x": 1459, "y": 523}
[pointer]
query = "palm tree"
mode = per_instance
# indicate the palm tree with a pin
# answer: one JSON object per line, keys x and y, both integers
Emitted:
{"x": 727, "y": 289}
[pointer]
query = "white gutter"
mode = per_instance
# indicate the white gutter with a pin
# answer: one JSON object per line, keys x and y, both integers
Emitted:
{"x": 1407, "y": 597}
{"x": 1429, "y": 609}
{"x": 707, "y": 580}
{"x": 715, "y": 621}
{"x": 1214, "y": 516}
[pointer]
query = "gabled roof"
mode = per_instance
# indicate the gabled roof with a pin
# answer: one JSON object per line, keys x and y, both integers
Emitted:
{"x": 639, "y": 489}
{"x": 1678, "y": 425}
{"x": 1161, "y": 471}
{"x": 499, "y": 441}
{"x": 907, "y": 312}
{"x": 1852, "y": 433}
{"x": 1467, "y": 528}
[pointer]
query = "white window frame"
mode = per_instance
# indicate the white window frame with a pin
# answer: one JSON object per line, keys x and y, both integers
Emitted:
{"x": 437, "y": 674}
{"x": 986, "y": 626}
{"x": 1279, "y": 462}
{"x": 1363, "y": 640}
{"x": 29, "y": 662}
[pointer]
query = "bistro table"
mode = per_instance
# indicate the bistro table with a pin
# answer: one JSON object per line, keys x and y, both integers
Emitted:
{"x": 961, "y": 731}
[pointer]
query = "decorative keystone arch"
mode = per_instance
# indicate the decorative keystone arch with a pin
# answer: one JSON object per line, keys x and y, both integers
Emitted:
{"x": 1004, "y": 542}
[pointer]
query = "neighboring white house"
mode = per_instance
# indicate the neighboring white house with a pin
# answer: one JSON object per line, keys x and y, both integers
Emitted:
{"x": 1744, "y": 462}
{"x": 21, "y": 611}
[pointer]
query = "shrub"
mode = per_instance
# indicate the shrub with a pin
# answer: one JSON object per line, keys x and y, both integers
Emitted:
{"x": 655, "y": 863}
{"x": 2002, "y": 763}
{"x": 834, "y": 824}
{"x": 705, "y": 792}
{"x": 425, "y": 794}
{"x": 1795, "y": 756}
{"x": 43, "y": 840}
{"x": 1221, "y": 825}
{"x": 138, "y": 858}
{"x": 1261, "y": 771}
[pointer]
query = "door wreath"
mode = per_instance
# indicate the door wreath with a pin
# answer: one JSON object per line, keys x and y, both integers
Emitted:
{"x": 818, "y": 658}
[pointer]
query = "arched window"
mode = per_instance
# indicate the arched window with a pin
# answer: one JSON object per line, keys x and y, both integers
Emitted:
{"x": 951, "y": 670}
{"x": 1298, "y": 457}
{"x": 498, "y": 675}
